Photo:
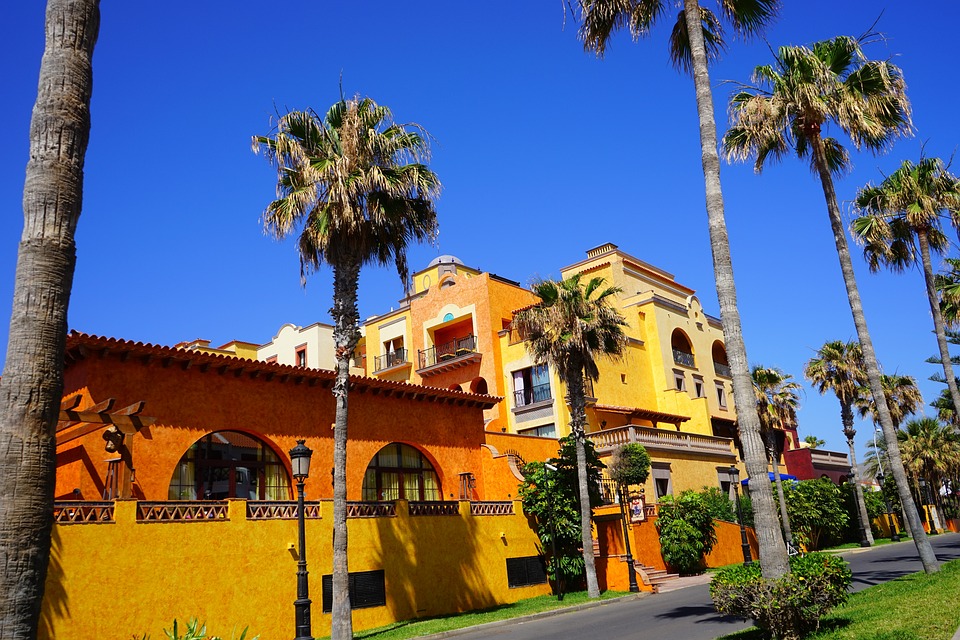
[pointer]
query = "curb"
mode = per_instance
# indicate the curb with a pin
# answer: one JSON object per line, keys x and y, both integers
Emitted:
{"x": 532, "y": 616}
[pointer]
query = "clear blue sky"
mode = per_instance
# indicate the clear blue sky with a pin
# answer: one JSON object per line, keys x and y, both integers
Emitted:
{"x": 544, "y": 152}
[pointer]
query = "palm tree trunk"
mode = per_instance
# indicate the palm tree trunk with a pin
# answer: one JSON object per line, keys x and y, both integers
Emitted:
{"x": 924, "y": 549}
{"x": 32, "y": 382}
{"x": 578, "y": 420}
{"x": 773, "y": 553}
{"x": 858, "y": 494}
{"x": 346, "y": 334}
{"x": 774, "y": 461}
{"x": 938, "y": 325}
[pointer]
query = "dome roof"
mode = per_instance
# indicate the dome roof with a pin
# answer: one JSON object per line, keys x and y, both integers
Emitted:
{"x": 445, "y": 259}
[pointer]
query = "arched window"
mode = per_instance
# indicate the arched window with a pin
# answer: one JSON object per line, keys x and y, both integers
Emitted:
{"x": 720, "y": 364}
{"x": 400, "y": 472}
{"x": 229, "y": 464}
{"x": 682, "y": 349}
{"x": 478, "y": 385}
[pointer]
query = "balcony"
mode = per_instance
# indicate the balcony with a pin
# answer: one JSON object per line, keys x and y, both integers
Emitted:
{"x": 684, "y": 358}
{"x": 662, "y": 440}
{"x": 457, "y": 353}
{"x": 831, "y": 459}
{"x": 533, "y": 395}
{"x": 390, "y": 360}
{"x": 722, "y": 370}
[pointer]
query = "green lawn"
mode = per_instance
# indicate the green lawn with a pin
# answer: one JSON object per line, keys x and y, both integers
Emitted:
{"x": 856, "y": 545}
{"x": 427, "y": 626}
{"x": 915, "y": 607}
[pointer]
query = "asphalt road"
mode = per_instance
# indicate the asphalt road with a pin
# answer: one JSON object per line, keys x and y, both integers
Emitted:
{"x": 688, "y": 613}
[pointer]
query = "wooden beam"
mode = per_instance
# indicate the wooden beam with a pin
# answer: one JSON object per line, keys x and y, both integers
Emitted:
{"x": 71, "y": 403}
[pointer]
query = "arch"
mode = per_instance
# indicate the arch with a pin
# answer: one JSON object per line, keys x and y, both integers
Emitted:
{"x": 230, "y": 464}
{"x": 479, "y": 386}
{"x": 455, "y": 387}
{"x": 680, "y": 342}
{"x": 401, "y": 472}
{"x": 719, "y": 353}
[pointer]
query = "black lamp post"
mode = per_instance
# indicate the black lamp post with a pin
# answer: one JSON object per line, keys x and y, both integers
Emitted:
{"x": 300, "y": 464}
{"x": 856, "y": 507}
{"x": 744, "y": 543}
{"x": 631, "y": 571}
{"x": 894, "y": 534}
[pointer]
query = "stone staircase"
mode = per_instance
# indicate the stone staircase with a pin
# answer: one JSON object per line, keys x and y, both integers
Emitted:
{"x": 653, "y": 577}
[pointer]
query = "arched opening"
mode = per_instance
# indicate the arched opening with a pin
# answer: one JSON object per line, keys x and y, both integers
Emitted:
{"x": 721, "y": 366}
{"x": 400, "y": 472}
{"x": 682, "y": 349}
{"x": 455, "y": 387}
{"x": 229, "y": 464}
{"x": 479, "y": 386}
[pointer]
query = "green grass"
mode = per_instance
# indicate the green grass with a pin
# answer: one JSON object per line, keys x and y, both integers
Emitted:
{"x": 427, "y": 626}
{"x": 877, "y": 542}
{"x": 914, "y": 607}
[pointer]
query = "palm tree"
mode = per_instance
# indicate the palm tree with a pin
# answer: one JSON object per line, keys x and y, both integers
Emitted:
{"x": 804, "y": 91}
{"x": 695, "y": 40}
{"x": 948, "y": 286}
{"x": 814, "y": 442}
{"x": 355, "y": 185}
{"x": 907, "y": 212}
{"x": 838, "y": 367}
{"x": 571, "y": 327}
{"x": 31, "y": 386}
{"x": 777, "y": 401}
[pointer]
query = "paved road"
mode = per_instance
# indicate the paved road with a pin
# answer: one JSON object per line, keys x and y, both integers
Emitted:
{"x": 688, "y": 613}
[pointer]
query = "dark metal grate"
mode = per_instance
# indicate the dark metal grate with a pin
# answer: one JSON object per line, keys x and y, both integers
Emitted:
{"x": 367, "y": 589}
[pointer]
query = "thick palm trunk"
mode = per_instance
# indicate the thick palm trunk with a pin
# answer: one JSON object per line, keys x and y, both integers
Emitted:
{"x": 846, "y": 415}
{"x": 773, "y": 553}
{"x": 938, "y": 325}
{"x": 924, "y": 549}
{"x": 775, "y": 463}
{"x": 346, "y": 334}
{"x": 578, "y": 420}
{"x": 32, "y": 383}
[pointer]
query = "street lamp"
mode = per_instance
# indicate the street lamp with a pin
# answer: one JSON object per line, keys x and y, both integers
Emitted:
{"x": 744, "y": 543}
{"x": 856, "y": 507}
{"x": 894, "y": 535}
{"x": 300, "y": 464}
{"x": 631, "y": 571}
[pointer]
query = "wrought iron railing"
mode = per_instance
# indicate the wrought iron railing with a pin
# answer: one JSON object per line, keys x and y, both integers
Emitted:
{"x": 182, "y": 511}
{"x": 609, "y": 491}
{"x": 537, "y": 393}
{"x": 447, "y": 351}
{"x": 391, "y": 359}
{"x": 684, "y": 358}
{"x": 280, "y": 509}
{"x": 435, "y": 508}
{"x": 371, "y": 509}
{"x": 491, "y": 508}
{"x": 77, "y": 512}
{"x": 722, "y": 370}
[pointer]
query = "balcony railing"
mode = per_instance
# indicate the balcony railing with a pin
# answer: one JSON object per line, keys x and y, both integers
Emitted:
{"x": 661, "y": 439}
{"x": 822, "y": 457}
{"x": 537, "y": 393}
{"x": 448, "y": 351}
{"x": 280, "y": 509}
{"x": 82, "y": 512}
{"x": 722, "y": 370}
{"x": 391, "y": 359}
{"x": 684, "y": 358}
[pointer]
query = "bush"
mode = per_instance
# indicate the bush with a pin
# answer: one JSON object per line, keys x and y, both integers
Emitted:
{"x": 817, "y": 514}
{"x": 630, "y": 465}
{"x": 686, "y": 531}
{"x": 195, "y": 631}
{"x": 718, "y": 504}
{"x": 788, "y": 607}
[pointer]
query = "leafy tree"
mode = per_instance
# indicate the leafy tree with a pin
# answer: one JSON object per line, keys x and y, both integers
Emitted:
{"x": 838, "y": 367}
{"x": 553, "y": 498}
{"x": 686, "y": 530}
{"x": 906, "y": 214}
{"x": 817, "y": 511}
{"x": 777, "y": 401}
{"x": 695, "y": 40}
{"x": 31, "y": 386}
{"x": 804, "y": 91}
{"x": 718, "y": 504}
{"x": 355, "y": 185}
{"x": 571, "y": 327}
{"x": 630, "y": 465}
{"x": 814, "y": 442}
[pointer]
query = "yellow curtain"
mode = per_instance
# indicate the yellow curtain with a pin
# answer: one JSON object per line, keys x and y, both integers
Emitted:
{"x": 431, "y": 488}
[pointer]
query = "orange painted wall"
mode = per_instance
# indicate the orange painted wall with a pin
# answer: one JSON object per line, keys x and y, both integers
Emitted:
{"x": 190, "y": 403}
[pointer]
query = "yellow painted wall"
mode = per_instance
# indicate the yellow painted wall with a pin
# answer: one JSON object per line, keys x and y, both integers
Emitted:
{"x": 115, "y": 580}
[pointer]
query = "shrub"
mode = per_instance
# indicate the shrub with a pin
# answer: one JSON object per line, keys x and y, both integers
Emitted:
{"x": 788, "y": 607}
{"x": 718, "y": 504}
{"x": 686, "y": 531}
{"x": 630, "y": 464}
{"x": 818, "y": 516}
{"x": 195, "y": 631}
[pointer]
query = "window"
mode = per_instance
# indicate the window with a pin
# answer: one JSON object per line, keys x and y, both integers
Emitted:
{"x": 698, "y": 387}
{"x": 301, "y": 356}
{"x": 393, "y": 354}
{"x": 679, "y": 381}
{"x": 721, "y": 395}
{"x": 367, "y": 589}
{"x": 531, "y": 385}
{"x": 522, "y": 572}
{"x": 544, "y": 431}
{"x": 726, "y": 483}
{"x": 400, "y": 472}
{"x": 229, "y": 464}
{"x": 662, "y": 483}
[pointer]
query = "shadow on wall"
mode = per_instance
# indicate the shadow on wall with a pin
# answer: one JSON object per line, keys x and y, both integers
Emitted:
{"x": 56, "y": 606}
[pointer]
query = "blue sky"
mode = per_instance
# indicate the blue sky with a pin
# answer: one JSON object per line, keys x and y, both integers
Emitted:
{"x": 544, "y": 152}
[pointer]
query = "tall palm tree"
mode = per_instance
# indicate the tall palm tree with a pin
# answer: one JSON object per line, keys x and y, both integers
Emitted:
{"x": 31, "y": 386}
{"x": 838, "y": 367}
{"x": 948, "y": 286}
{"x": 696, "y": 39}
{"x": 355, "y": 185}
{"x": 571, "y": 327}
{"x": 805, "y": 91}
{"x": 903, "y": 215}
{"x": 777, "y": 401}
